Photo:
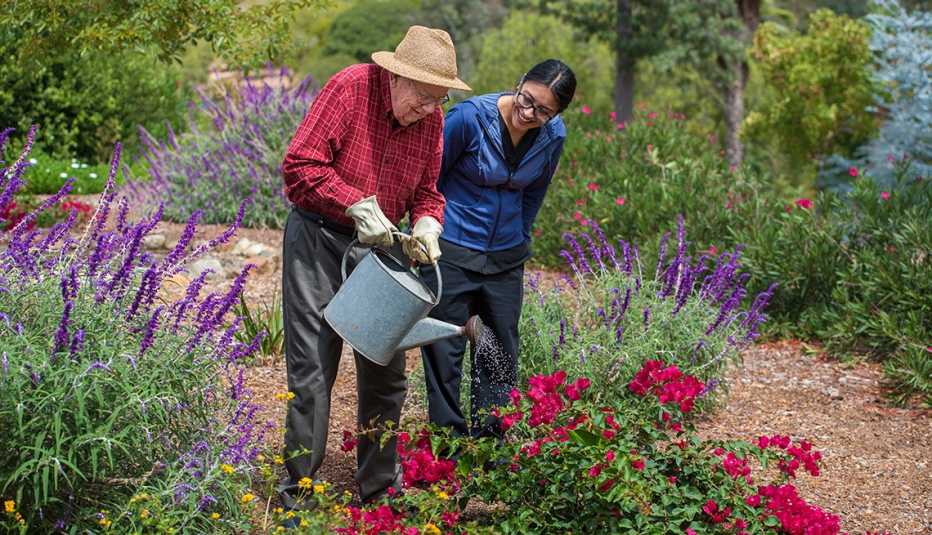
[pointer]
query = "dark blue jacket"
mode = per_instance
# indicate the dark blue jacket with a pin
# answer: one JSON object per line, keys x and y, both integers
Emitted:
{"x": 488, "y": 207}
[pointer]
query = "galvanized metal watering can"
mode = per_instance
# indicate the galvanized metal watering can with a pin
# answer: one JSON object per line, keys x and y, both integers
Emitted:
{"x": 382, "y": 306}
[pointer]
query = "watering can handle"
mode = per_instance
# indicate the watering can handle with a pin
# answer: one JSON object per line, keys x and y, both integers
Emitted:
{"x": 356, "y": 241}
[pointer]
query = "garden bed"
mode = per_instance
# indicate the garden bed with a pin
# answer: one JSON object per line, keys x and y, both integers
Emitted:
{"x": 876, "y": 474}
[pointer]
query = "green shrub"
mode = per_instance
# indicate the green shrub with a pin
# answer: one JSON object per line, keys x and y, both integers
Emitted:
{"x": 87, "y": 103}
{"x": 855, "y": 272}
{"x": 633, "y": 181}
{"x": 368, "y": 26}
{"x": 527, "y": 38}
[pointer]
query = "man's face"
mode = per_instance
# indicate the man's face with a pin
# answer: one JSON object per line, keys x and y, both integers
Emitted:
{"x": 412, "y": 101}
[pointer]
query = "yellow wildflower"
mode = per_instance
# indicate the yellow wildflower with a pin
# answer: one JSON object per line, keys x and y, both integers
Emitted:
{"x": 104, "y": 522}
{"x": 279, "y": 510}
{"x": 305, "y": 483}
{"x": 215, "y": 516}
{"x": 290, "y": 514}
{"x": 336, "y": 509}
{"x": 431, "y": 529}
{"x": 290, "y": 395}
{"x": 304, "y": 523}
{"x": 144, "y": 513}
{"x": 227, "y": 468}
{"x": 9, "y": 506}
{"x": 443, "y": 495}
{"x": 319, "y": 488}
{"x": 279, "y": 529}
{"x": 248, "y": 497}
{"x": 279, "y": 459}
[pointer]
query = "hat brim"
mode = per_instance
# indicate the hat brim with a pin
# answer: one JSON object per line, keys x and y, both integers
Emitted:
{"x": 388, "y": 61}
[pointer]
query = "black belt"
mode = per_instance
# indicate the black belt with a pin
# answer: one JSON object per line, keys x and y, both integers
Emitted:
{"x": 325, "y": 222}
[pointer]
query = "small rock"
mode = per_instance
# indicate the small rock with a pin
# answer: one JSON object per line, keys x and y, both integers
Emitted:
{"x": 255, "y": 249}
{"x": 199, "y": 266}
{"x": 241, "y": 246}
{"x": 153, "y": 241}
{"x": 832, "y": 392}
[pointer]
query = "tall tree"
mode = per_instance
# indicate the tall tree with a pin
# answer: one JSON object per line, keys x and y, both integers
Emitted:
{"x": 634, "y": 28}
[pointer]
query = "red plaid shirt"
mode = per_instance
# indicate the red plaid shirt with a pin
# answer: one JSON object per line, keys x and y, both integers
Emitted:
{"x": 349, "y": 147}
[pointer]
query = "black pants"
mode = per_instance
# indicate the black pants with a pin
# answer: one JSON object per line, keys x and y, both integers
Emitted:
{"x": 310, "y": 278}
{"x": 497, "y": 300}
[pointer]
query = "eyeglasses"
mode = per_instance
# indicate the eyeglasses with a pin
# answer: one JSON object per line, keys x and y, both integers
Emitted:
{"x": 424, "y": 99}
{"x": 525, "y": 102}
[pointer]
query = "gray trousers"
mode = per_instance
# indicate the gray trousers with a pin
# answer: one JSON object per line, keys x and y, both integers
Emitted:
{"x": 310, "y": 276}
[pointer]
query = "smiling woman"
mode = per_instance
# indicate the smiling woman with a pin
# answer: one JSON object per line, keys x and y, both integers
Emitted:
{"x": 500, "y": 153}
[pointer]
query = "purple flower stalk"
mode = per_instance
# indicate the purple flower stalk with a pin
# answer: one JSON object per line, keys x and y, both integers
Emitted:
{"x": 77, "y": 344}
{"x": 151, "y": 327}
{"x": 61, "y": 335}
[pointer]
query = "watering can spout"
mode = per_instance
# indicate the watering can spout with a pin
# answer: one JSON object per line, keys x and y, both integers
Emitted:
{"x": 430, "y": 330}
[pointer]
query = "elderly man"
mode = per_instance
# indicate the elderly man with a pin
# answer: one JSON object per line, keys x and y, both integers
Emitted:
{"x": 367, "y": 152}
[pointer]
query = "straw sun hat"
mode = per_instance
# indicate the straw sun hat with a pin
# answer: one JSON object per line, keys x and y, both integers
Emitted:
{"x": 425, "y": 55}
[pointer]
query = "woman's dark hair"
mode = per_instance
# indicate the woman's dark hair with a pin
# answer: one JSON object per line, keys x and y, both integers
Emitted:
{"x": 557, "y": 76}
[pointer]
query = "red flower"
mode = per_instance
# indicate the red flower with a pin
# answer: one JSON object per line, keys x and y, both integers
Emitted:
{"x": 672, "y": 480}
{"x": 593, "y": 186}
{"x": 609, "y": 456}
{"x": 853, "y": 171}
{"x": 595, "y": 470}
{"x": 718, "y": 516}
{"x": 613, "y": 116}
{"x": 753, "y": 500}
{"x": 586, "y": 109}
{"x": 638, "y": 464}
{"x": 349, "y": 441}
{"x": 804, "y": 203}
{"x": 620, "y": 201}
{"x": 608, "y": 434}
{"x": 580, "y": 202}
{"x": 577, "y": 215}
{"x": 885, "y": 195}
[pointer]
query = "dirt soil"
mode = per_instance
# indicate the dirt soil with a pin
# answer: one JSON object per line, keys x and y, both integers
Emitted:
{"x": 877, "y": 474}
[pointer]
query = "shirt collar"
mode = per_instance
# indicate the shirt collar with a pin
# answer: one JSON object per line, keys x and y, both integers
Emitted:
{"x": 386, "y": 92}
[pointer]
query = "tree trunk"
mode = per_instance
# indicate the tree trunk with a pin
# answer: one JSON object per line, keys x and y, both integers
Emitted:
{"x": 749, "y": 11}
{"x": 734, "y": 114}
{"x": 624, "y": 64}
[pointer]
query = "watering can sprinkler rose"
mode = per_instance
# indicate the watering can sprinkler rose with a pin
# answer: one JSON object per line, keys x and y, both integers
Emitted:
{"x": 381, "y": 307}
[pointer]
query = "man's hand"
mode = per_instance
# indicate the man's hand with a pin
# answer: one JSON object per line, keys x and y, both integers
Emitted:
{"x": 424, "y": 245}
{"x": 372, "y": 227}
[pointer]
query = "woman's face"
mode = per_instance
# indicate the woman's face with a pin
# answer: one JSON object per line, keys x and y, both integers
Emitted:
{"x": 534, "y": 105}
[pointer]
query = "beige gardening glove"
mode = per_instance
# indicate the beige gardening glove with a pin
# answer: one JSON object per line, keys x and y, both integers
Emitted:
{"x": 372, "y": 227}
{"x": 424, "y": 245}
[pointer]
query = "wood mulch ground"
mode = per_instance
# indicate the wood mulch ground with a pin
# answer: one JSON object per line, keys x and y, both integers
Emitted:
{"x": 877, "y": 473}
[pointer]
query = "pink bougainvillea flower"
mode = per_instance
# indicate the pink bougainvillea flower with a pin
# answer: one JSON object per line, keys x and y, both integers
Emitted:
{"x": 853, "y": 171}
{"x": 753, "y": 500}
{"x": 672, "y": 480}
{"x": 690, "y": 531}
{"x": 595, "y": 470}
{"x": 609, "y": 456}
{"x": 580, "y": 202}
{"x": 712, "y": 250}
{"x": 613, "y": 116}
{"x": 577, "y": 215}
{"x": 804, "y": 203}
{"x": 585, "y": 222}
{"x": 620, "y": 126}
{"x": 620, "y": 201}
{"x": 593, "y": 186}
{"x": 652, "y": 115}
{"x": 885, "y": 195}
{"x": 638, "y": 464}
{"x": 608, "y": 434}
{"x": 586, "y": 109}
